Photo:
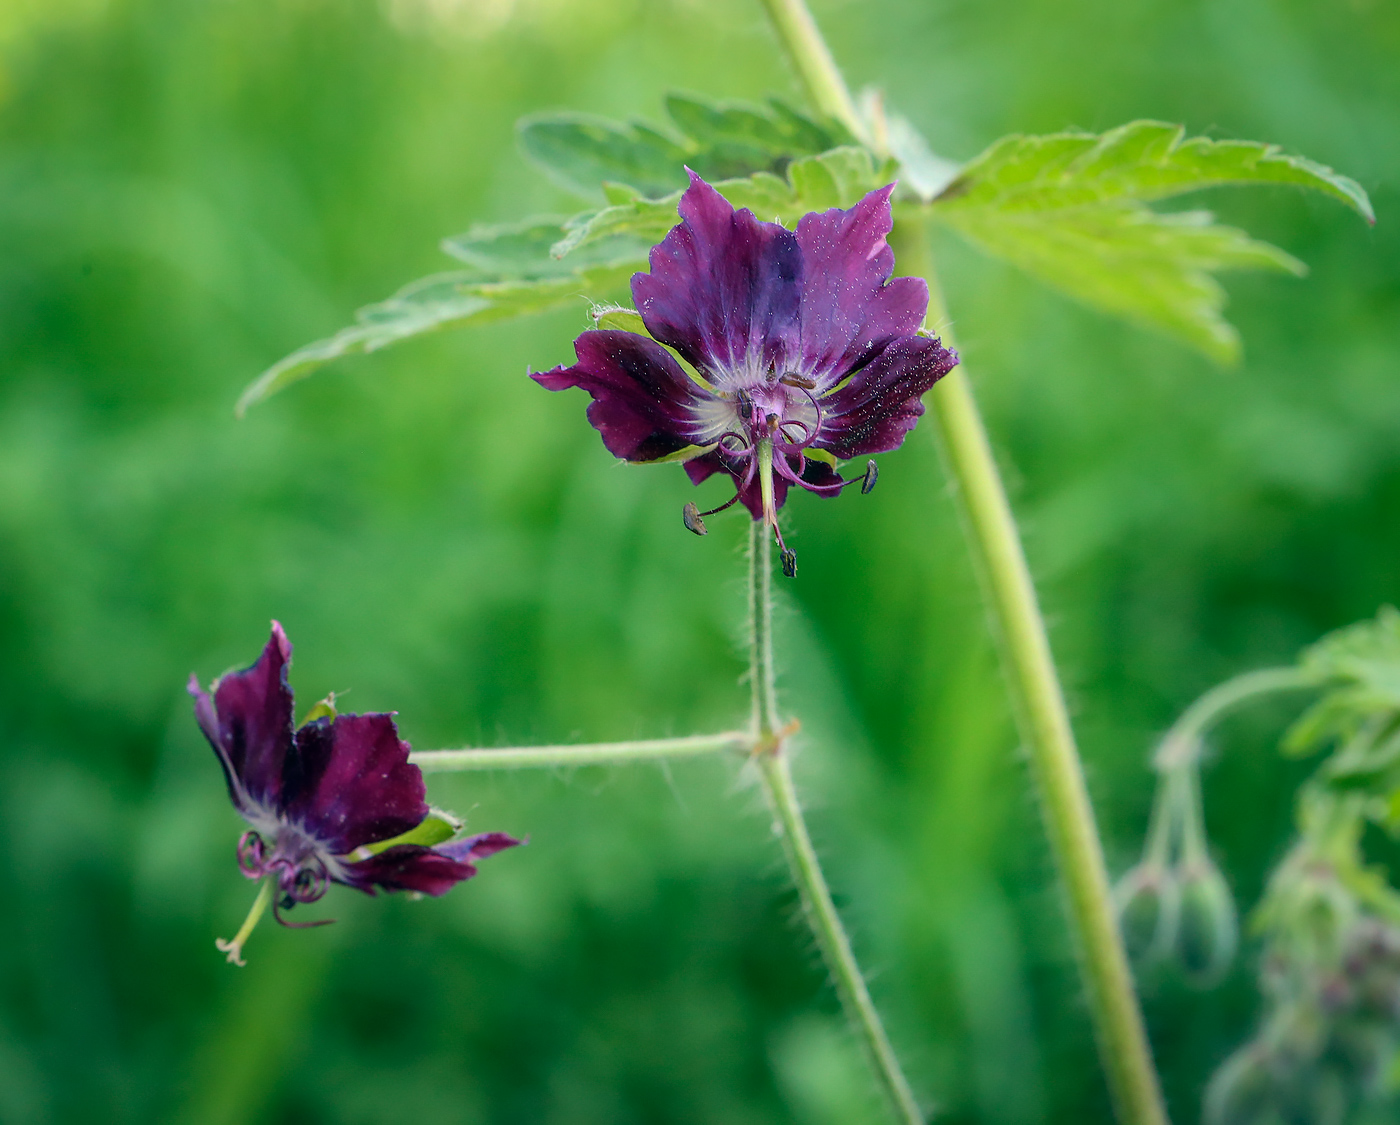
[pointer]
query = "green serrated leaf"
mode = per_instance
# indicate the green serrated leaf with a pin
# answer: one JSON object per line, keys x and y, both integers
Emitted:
{"x": 719, "y": 140}
{"x": 1070, "y": 210}
{"x": 579, "y": 152}
{"x": 433, "y": 303}
{"x": 1143, "y": 160}
{"x": 436, "y": 828}
{"x": 832, "y": 179}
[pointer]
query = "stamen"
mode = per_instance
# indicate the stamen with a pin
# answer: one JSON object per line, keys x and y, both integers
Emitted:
{"x": 234, "y": 948}
{"x": 286, "y": 904}
{"x": 250, "y": 855}
{"x": 694, "y": 518}
{"x": 801, "y": 382}
{"x": 770, "y": 511}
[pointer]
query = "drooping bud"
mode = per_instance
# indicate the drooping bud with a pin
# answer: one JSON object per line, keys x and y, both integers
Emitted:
{"x": 1207, "y": 930}
{"x": 691, "y": 515}
{"x": 788, "y": 558}
{"x": 872, "y": 474}
{"x": 1148, "y": 900}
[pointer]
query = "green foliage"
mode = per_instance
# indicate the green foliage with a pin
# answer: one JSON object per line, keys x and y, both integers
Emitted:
{"x": 1070, "y": 210}
{"x": 719, "y": 140}
{"x": 539, "y": 264}
{"x": 512, "y": 275}
{"x": 1360, "y": 666}
{"x": 833, "y": 179}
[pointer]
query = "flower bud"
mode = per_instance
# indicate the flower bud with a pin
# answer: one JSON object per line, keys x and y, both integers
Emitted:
{"x": 1207, "y": 929}
{"x": 1148, "y": 899}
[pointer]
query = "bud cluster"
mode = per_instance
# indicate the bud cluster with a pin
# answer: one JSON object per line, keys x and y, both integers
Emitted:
{"x": 1330, "y": 1038}
{"x": 1175, "y": 906}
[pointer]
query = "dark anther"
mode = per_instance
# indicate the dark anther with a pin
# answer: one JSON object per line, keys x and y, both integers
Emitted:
{"x": 789, "y": 561}
{"x": 745, "y": 404}
{"x": 310, "y": 883}
{"x": 691, "y": 515}
{"x": 872, "y": 474}
{"x": 793, "y": 379}
{"x": 695, "y": 520}
{"x": 250, "y": 854}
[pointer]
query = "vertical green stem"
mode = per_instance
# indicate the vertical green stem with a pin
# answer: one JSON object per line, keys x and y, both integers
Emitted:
{"x": 811, "y": 57}
{"x": 1034, "y": 684}
{"x": 775, "y": 772}
{"x": 1043, "y": 718}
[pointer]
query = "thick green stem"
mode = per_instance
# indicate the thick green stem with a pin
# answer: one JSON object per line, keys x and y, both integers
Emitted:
{"x": 587, "y": 754}
{"x": 771, "y": 759}
{"x": 1042, "y": 716}
{"x": 811, "y": 58}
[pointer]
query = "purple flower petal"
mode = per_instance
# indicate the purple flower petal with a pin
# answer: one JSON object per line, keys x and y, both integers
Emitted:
{"x": 724, "y": 288}
{"x": 850, "y": 308}
{"x": 477, "y": 847}
{"x": 642, "y": 399}
{"x": 249, "y": 724}
{"x": 349, "y": 782}
{"x": 881, "y": 403}
{"x": 407, "y": 867}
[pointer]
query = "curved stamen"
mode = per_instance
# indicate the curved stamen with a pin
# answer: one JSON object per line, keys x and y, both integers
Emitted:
{"x": 694, "y": 518}
{"x": 310, "y": 882}
{"x": 743, "y": 446}
{"x": 287, "y": 903}
{"x": 866, "y": 481}
{"x": 251, "y": 854}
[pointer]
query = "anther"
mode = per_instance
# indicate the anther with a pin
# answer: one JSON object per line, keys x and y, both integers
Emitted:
{"x": 872, "y": 474}
{"x": 788, "y": 558}
{"x": 793, "y": 379}
{"x": 691, "y": 515}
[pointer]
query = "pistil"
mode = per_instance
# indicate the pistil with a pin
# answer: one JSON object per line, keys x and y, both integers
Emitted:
{"x": 234, "y": 948}
{"x": 770, "y": 510}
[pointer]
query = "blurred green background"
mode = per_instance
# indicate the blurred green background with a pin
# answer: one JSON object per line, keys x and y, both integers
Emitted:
{"x": 191, "y": 188}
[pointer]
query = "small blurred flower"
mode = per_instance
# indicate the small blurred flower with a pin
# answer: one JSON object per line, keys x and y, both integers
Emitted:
{"x": 803, "y": 352}
{"x": 336, "y": 801}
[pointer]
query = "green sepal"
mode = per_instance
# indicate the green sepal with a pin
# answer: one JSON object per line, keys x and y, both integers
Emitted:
{"x": 436, "y": 828}
{"x": 324, "y": 709}
{"x": 823, "y": 455}
{"x": 688, "y": 453}
{"x": 619, "y": 319}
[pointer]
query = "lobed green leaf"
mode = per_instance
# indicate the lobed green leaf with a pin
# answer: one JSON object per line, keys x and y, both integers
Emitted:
{"x": 1070, "y": 209}
{"x": 719, "y": 140}
{"x": 832, "y": 179}
{"x": 1143, "y": 160}
{"x": 444, "y": 301}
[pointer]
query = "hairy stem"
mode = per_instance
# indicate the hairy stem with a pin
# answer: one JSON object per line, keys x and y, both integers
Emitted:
{"x": 772, "y": 760}
{"x": 1042, "y": 717}
{"x": 587, "y": 754}
{"x": 811, "y": 58}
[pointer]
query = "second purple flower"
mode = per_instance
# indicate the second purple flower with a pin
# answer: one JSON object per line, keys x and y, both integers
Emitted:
{"x": 802, "y": 353}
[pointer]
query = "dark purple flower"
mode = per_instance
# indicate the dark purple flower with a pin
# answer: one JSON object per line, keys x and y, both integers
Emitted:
{"x": 802, "y": 352}
{"x": 322, "y": 800}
